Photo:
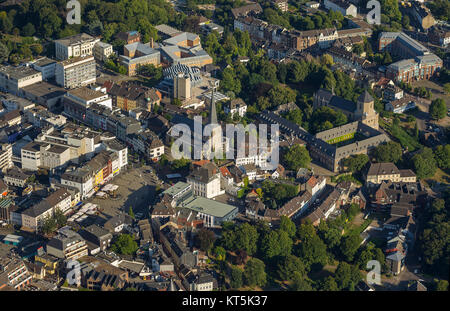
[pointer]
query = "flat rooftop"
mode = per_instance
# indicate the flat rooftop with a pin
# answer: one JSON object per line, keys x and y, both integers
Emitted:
{"x": 177, "y": 188}
{"x": 19, "y": 72}
{"x": 209, "y": 207}
{"x": 86, "y": 93}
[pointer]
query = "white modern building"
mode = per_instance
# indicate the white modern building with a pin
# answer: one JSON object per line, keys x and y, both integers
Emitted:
{"x": 79, "y": 45}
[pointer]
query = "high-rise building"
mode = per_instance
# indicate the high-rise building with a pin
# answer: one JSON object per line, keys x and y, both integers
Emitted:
{"x": 76, "y": 72}
{"x": 5, "y": 156}
{"x": 182, "y": 86}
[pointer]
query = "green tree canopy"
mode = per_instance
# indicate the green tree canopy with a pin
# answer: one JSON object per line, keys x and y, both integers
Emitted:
{"x": 254, "y": 272}
{"x": 438, "y": 109}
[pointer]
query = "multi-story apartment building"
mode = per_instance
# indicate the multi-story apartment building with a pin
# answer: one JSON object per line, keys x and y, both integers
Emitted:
{"x": 76, "y": 72}
{"x": 67, "y": 245}
{"x": 80, "y": 178}
{"x": 33, "y": 217}
{"x": 122, "y": 153}
{"x": 5, "y": 157}
{"x": 205, "y": 181}
{"x": 13, "y": 272}
{"x": 147, "y": 143}
{"x": 79, "y": 45}
{"x": 12, "y": 102}
{"x": 12, "y": 78}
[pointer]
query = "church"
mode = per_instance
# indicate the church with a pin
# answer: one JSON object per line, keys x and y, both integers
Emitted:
{"x": 363, "y": 110}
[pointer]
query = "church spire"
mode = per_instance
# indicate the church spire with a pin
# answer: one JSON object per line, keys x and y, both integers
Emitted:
{"x": 212, "y": 109}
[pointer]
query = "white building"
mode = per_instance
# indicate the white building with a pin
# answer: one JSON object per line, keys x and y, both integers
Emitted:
{"x": 121, "y": 151}
{"x": 80, "y": 178}
{"x": 76, "y": 72}
{"x": 31, "y": 156}
{"x": 79, "y": 45}
{"x": 345, "y": 7}
{"x": 205, "y": 181}
{"x": 88, "y": 96}
{"x": 12, "y": 102}
{"x": 54, "y": 156}
{"x": 102, "y": 51}
{"x": 34, "y": 217}
{"x": 46, "y": 66}
{"x": 12, "y": 79}
{"x": 6, "y": 157}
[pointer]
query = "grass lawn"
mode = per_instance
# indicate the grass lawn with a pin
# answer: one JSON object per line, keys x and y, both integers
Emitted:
{"x": 440, "y": 176}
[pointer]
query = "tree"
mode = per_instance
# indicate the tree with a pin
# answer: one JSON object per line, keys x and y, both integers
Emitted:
{"x": 4, "y": 52}
{"x": 241, "y": 257}
{"x": 246, "y": 237}
{"x": 254, "y": 272}
{"x": 438, "y": 109}
{"x": 442, "y": 155}
{"x": 270, "y": 246}
{"x": 330, "y": 235}
{"x": 358, "y": 49}
{"x": 220, "y": 253}
{"x": 347, "y": 276}
{"x": 295, "y": 116}
{"x": 124, "y": 244}
{"x": 441, "y": 286}
{"x": 28, "y": 30}
{"x": 296, "y": 157}
{"x": 288, "y": 265}
{"x": 37, "y": 49}
{"x": 236, "y": 277}
{"x": 388, "y": 152}
{"x": 329, "y": 285}
{"x": 60, "y": 218}
{"x": 49, "y": 225}
{"x": 355, "y": 163}
{"x": 447, "y": 88}
{"x": 287, "y": 225}
{"x": 313, "y": 251}
{"x": 300, "y": 283}
{"x": 206, "y": 239}
{"x": 349, "y": 246}
{"x": 424, "y": 163}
